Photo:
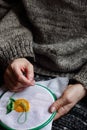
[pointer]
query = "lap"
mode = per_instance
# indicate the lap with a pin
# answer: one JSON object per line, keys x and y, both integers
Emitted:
{"x": 76, "y": 119}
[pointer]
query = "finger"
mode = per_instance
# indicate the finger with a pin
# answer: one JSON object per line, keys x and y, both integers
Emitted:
{"x": 15, "y": 81}
{"x": 18, "y": 89}
{"x": 12, "y": 85}
{"x": 30, "y": 72}
{"x": 9, "y": 75}
{"x": 58, "y": 104}
{"x": 63, "y": 110}
{"x": 8, "y": 83}
{"x": 20, "y": 77}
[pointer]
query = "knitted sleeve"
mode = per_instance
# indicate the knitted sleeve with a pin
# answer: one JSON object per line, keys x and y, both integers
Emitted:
{"x": 15, "y": 40}
{"x": 4, "y": 8}
{"x": 81, "y": 76}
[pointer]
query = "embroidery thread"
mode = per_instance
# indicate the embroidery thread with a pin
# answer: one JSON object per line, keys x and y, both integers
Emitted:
{"x": 20, "y": 105}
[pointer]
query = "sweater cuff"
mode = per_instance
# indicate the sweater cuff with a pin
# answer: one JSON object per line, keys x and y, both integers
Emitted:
{"x": 81, "y": 77}
{"x": 17, "y": 44}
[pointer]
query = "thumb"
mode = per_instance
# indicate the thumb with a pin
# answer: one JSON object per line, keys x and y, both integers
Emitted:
{"x": 58, "y": 104}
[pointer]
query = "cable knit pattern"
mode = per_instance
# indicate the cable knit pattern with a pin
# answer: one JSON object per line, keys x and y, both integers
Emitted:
{"x": 59, "y": 42}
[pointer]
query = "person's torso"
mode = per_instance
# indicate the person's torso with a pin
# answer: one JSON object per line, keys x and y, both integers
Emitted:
{"x": 59, "y": 30}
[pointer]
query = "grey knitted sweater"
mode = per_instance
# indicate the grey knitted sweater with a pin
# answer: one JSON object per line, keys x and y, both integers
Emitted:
{"x": 52, "y": 32}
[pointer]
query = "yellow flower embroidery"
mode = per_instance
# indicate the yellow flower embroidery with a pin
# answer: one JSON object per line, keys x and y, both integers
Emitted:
{"x": 21, "y": 105}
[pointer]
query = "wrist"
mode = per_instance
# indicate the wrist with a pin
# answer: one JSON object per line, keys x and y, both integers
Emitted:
{"x": 79, "y": 84}
{"x": 82, "y": 88}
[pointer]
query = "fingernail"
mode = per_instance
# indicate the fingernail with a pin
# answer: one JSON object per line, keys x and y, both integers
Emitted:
{"x": 33, "y": 82}
{"x": 53, "y": 109}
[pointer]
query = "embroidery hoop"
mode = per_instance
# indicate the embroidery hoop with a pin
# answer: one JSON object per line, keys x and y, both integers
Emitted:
{"x": 43, "y": 124}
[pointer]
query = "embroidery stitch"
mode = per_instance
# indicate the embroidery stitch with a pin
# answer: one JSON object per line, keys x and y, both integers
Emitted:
{"x": 20, "y": 105}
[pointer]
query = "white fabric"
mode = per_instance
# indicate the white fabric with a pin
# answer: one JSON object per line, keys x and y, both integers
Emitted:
{"x": 57, "y": 86}
{"x": 40, "y": 96}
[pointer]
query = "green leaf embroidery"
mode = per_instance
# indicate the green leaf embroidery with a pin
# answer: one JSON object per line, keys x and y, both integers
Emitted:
{"x": 10, "y": 105}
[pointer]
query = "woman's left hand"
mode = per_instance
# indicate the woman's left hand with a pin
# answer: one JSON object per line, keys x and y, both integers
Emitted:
{"x": 69, "y": 98}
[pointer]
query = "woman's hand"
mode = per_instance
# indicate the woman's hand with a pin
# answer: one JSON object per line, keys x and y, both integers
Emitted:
{"x": 19, "y": 75}
{"x": 70, "y": 97}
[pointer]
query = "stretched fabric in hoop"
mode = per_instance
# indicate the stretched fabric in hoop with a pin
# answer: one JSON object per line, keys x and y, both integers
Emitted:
{"x": 28, "y": 110}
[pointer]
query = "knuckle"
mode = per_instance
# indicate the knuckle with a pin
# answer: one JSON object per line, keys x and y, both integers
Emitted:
{"x": 12, "y": 66}
{"x": 68, "y": 97}
{"x": 14, "y": 63}
{"x": 31, "y": 66}
{"x": 57, "y": 104}
{"x": 64, "y": 110}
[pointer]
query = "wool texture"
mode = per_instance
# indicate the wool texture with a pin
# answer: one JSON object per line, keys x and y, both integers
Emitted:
{"x": 54, "y": 33}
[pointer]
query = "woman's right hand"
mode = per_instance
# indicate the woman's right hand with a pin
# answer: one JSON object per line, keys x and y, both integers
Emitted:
{"x": 19, "y": 75}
